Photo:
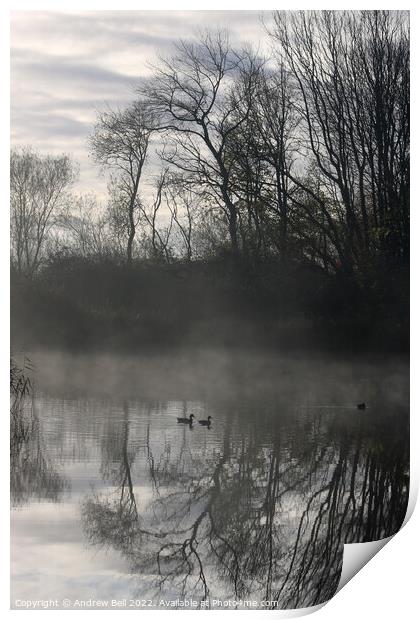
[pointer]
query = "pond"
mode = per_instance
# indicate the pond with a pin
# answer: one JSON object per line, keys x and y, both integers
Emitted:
{"x": 116, "y": 503}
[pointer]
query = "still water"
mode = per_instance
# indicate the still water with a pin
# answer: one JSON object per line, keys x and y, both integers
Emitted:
{"x": 112, "y": 499}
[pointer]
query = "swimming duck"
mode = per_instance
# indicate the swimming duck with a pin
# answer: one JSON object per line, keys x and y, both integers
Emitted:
{"x": 361, "y": 406}
{"x": 186, "y": 420}
{"x": 205, "y": 422}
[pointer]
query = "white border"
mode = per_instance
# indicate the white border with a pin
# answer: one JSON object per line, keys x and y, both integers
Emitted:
{"x": 387, "y": 586}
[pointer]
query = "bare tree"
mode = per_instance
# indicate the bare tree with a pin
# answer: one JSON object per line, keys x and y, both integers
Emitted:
{"x": 180, "y": 200}
{"x": 120, "y": 142}
{"x": 275, "y": 126}
{"x": 38, "y": 185}
{"x": 351, "y": 72}
{"x": 159, "y": 235}
{"x": 86, "y": 228}
{"x": 195, "y": 94}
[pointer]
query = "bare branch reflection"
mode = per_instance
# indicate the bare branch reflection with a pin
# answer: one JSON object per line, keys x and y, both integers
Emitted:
{"x": 261, "y": 511}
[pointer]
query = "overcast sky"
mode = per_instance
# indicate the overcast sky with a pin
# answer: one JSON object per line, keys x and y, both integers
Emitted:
{"x": 64, "y": 66}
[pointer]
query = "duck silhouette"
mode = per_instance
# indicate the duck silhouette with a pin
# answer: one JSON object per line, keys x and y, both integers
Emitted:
{"x": 205, "y": 422}
{"x": 188, "y": 420}
{"x": 361, "y": 406}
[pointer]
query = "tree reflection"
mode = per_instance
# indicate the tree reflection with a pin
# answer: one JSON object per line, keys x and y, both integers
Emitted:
{"x": 260, "y": 513}
{"x": 32, "y": 473}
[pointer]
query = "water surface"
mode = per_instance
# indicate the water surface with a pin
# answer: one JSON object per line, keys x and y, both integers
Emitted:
{"x": 112, "y": 499}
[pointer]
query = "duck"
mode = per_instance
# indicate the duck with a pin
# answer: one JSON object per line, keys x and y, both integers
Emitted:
{"x": 205, "y": 422}
{"x": 361, "y": 406}
{"x": 188, "y": 420}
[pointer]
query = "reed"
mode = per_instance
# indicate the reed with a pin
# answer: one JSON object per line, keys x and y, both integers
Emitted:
{"x": 21, "y": 417}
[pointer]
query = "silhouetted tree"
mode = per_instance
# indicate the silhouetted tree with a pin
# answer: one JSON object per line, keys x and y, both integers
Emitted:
{"x": 195, "y": 95}
{"x": 351, "y": 71}
{"x": 120, "y": 141}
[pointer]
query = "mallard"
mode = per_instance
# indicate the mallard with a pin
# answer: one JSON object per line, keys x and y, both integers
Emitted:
{"x": 186, "y": 420}
{"x": 361, "y": 406}
{"x": 205, "y": 422}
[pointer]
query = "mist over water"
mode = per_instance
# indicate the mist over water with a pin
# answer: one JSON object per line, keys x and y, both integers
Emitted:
{"x": 113, "y": 499}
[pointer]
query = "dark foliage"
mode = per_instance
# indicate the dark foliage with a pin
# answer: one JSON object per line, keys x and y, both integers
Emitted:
{"x": 77, "y": 303}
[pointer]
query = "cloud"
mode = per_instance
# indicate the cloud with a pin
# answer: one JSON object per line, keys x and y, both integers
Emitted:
{"x": 66, "y": 66}
{"x": 55, "y": 69}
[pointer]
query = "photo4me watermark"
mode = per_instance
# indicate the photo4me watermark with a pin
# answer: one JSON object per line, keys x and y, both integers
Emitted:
{"x": 178, "y": 603}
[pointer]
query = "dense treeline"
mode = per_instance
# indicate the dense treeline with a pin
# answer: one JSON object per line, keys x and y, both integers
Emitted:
{"x": 239, "y": 187}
